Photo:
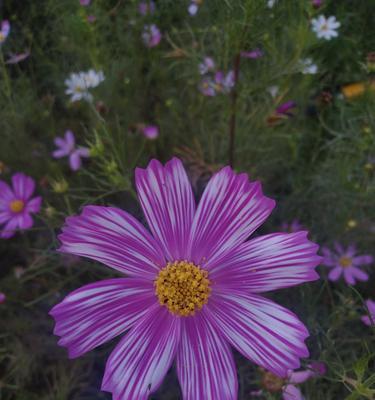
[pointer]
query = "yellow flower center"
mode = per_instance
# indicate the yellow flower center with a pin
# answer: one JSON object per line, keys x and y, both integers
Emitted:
{"x": 183, "y": 288}
{"x": 345, "y": 262}
{"x": 16, "y": 206}
{"x": 271, "y": 382}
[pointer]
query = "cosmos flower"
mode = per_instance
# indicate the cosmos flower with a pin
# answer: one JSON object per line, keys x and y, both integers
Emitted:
{"x": 345, "y": 262}
{"x": 85, "y": 2}
{"x": 16, "y": 205}
{"x": 192, "y": 286}
{"x": 78, "y": 84}
{"x": 308, "y": 67}
{"x": 224, "y": 83}
{"x": 146, "y": 7}
{"x": 288, "y": 386}
{"x": 253, "y": 54}
{"x": 2, "y": 297}
{"x": 366, "y": 318}
{"x": 194, "y": 7}
{"x": 4, "y": 32}
{"x": 207, "y": 87}
{"x": 16, "y": 58}
{"x": 150, "y": 131}
{"x": 294, "y": 226}
{"x": 206, "y": 66}
{"x": 151, "y": 35}
{"x": 67, "y": 148}
{"x": 325, "y": 28}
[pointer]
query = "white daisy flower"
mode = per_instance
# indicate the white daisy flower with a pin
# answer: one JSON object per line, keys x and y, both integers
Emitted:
{"x": 325, "y": 28}
{"x": 308, "y": 67}
{"x": 78, "y": 84}
{"x": 93, "y": 78}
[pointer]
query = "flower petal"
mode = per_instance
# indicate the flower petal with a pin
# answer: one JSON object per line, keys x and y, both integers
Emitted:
{"x": 363, "y": 260}
{"x": 348, "y": 276}
{"x": 75, "y": 161}
{"x": 291, "y": 392}
{"x": 23, "y": 186}
{"x": 5, "y": 216}
{"x": 168, "y": 204}
{"x": 9, "y": 229}
{"x": 24, "y": 220}
{"x": 98, "y": 312}
{"x": 33, "y": 205}
{"x": 6, "y": 195}
{"x": 269, "y": 262}
{"x": 140, "y": 361}
{"x": 115, "y": 238}
{"x": 296, "y": 377}
{"x": 230, "y": 209}
{"x": 205, "y": 364}
{"x": 359, "y": 274}
{"x": 266, "y": 333}
{"x": 335, "y": 273}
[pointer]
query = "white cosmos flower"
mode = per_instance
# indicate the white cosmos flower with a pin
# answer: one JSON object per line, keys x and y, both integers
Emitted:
{"x": 271, "y": 3}
{"x": 308, "y": 67}
{"x": 325, "y": 28}
{"x": 78, "y": 84}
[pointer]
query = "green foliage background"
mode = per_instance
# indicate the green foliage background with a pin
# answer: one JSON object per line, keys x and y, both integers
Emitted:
{"x": 318, "y": 165}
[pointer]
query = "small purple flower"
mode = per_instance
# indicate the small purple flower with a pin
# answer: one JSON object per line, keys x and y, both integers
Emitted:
{"x": 207, "y": 87}
{"x": 294, "y": 226}
{"x": 2, "y": 297}
{"x": 253, "y": 54}
{"x": 285, "y": 108}
{"x": 206, "y": 66}
{"x": 16, "y": 204}
{"x": 317, "y": 3}
{"x": 146, "y": 7}
{"x": 85, "y": 3}
{"x": 345, "y": 262}
{"x": 194, "y": 7}
{"x": 4, "y": 32}
{"x": 151, "y": 35}
{"x": 16, "y": 58}
{"x": 150, "y": 131}
{"x": 67, "y": 148}
{"x": 224, "y": 83}
{"x": 369, "y": 319}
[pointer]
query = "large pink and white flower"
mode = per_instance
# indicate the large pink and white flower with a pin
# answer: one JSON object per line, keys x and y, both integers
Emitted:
{"x": 192, "y": 286}
{"x": 16, "y": 205}
{"x": 346, "y": 262}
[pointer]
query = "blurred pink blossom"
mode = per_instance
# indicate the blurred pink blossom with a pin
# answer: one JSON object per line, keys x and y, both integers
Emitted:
{"x": 369, "y": 319}
{"x": 151, "y": 35}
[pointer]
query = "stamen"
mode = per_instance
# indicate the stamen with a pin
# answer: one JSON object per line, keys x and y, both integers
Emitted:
{"x": 345, "y": 262}
{"x": 16, "y": 206}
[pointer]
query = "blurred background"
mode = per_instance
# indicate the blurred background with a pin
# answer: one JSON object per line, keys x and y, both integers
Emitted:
{"x": 248, "y": 83}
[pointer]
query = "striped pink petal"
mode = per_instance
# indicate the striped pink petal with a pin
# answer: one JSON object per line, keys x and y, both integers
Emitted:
{"x": 33, "y": 205}
{"x": 167, "y": 201}
{"x": 269, "y": 262}
{"x": 140, "y": 361}
{"x": 98, "y": 312}
{"x": 112, "y": 237}
{"x": 6, "y": 195}
{"x": 23, "y": 186}
{"x": 266, "y": 333}
{"x": 291, "y": 392}
{"x": 230, "y": 209}
{"x": 9, "y": 229}
{"x": 205, "y": 364}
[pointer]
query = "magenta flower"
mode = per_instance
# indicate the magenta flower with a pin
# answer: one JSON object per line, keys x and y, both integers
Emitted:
{"x": 285, "y": 108}
{"x": 67, "y": 148}
{"x": 206, "y": 66}
{"x": 192, "y": 286}
{"x": 146, "y": 7}
{"x": 150, "y": 131}
{"x": 151, "y": 35}
{"x": 317, "y": 3}
{"x": 84, "y": 2}
{"x": 253, "y": 54}
{"x": 16, "y": 205}
{"x": 2, "y": 297}
{"x": 207, "y": 87}
{"x": 345, "y": 262}
{"x": 224, "y": 83}
{"x": 4, "y": 32}
{"x": 369, "y": 319}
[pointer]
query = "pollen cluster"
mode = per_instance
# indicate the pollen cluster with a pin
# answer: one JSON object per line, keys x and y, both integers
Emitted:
{"x": 16, "y": 206}
{"x": 182, "y": 287}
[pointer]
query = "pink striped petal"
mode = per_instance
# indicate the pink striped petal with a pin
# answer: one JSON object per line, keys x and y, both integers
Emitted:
{"x": 291, "y": 392}
{"x": 140, "y": 361}
{"x": 9, "y": 229}
{"x": 23, "y": 186}
{"x": 168, "y": 204}
{"x": 24, "y": 220}
{"x": 6, "y": 195}
{"x": 269, "y": 262}
{"x": 115, "y": 238}
{"x": 33, "y": 205}
{"x": 230, "y": 209}
{"x": 266, "y": 333}
{"x": 300, "y": 376}
{"x": 98, "y": 312}
{"x": 5, "y": 216}
{"x": 205, "y": 364}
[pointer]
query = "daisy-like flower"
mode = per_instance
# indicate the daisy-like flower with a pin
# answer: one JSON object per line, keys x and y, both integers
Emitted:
{"x": 93, "y": 78}
{"x": 207, "y": 87}
{"x": 67, "y": 148}
{"x": 224, "y": 82}
{"x": 288, "y": 386}
{"x": 345, "y": 262}
{"x": 325, "y": 28}
{"x": 77, "y": 87}
{"x": 307, "y": 66}
{"x": 151, "y": 35}
{"x": 369, "y": 319}
{"x": 192, "y": 286}
{"x": 16, "y": 205}
{"x": 206, "y": 66}
{"x": 4, "y": 32}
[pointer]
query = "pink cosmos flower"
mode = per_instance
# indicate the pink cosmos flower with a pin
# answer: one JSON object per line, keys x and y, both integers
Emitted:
{"x": 150, "y": 131}
{"x": 2, "y": 297}
{"x": 253, "y": 54}
{"x": 151, "y": 35}
{"x": 4, "y": 32}
{"x": 207, "y": 87}
{"x": 345, "y": 262}
{"x": 224, "y": 83}
{"x": 369, "y": 319}
{"x": 192, "y": 286}
{"x": 84, "y": 2}
{"x": 67, "y": 148}
{"x": 206, "y": 66}
{"x": 146, "y": 7}
{"x": 16, "y": 204}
